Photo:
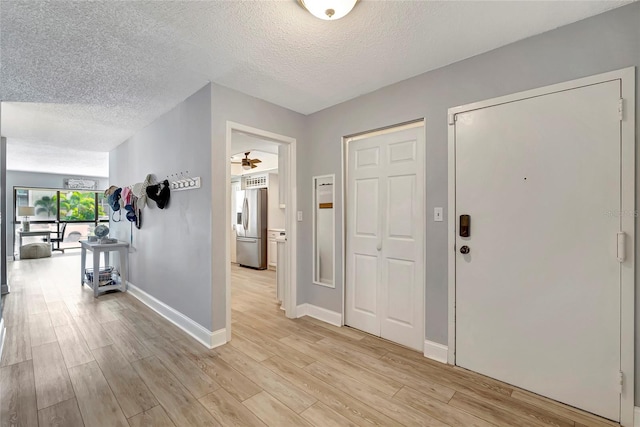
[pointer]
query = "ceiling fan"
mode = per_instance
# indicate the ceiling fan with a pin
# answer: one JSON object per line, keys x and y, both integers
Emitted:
{"x": 248, "y": 163}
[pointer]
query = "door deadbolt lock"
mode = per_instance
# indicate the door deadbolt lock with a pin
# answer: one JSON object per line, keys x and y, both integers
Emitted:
{"x": 465, "y": 250}
{"x": 465, "y": 226}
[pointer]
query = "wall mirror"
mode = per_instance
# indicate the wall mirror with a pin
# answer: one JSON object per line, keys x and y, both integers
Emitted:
{"x": 324, "y": 247}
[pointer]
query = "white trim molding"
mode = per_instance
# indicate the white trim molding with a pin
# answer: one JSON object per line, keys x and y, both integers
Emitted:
{"x": 435, "y": 351}
{"x": 2, "y": 335}
{"x": 217, "y": 338}
{"x": 198, "y": 332}
{"x": 636, "y": 416}
{"x": 332, "y": 317}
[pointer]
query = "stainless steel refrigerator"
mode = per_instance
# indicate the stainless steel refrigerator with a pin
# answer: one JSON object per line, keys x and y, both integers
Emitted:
{"x": 251, "y": 228}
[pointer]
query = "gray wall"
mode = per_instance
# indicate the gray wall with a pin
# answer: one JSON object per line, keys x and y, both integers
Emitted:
{"x": 4, "y": 285}
{"x": 170, "y": 257}
{"x": 603, "y": 43}
{"x": 230, "y": 105}
{"x": 36, "y": 180}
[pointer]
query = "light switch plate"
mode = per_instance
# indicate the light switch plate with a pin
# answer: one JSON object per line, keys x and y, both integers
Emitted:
{"x": 438, "y": 214}
{"x": 299, "y": 216}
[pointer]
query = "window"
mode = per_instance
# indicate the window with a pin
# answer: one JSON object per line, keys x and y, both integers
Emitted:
{"x": 81, "y": 209}
{"x": 22, "y": 197}
{"x": 78, "y": 206}
{"x": 103, "y": 208}
{"x": 45, "y": 202}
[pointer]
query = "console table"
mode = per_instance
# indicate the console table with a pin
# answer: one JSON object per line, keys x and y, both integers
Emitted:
{"x": 44, "y": 233}
{"x": 98, "y": 248}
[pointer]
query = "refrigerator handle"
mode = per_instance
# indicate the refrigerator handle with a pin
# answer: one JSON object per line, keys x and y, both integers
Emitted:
{"x": 245, "y": 215}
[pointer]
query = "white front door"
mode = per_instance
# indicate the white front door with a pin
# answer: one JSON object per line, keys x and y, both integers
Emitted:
{"x": 538, "y": 293}
{"x": 385, "y": 236}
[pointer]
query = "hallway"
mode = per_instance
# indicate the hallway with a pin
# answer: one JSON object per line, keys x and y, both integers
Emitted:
{"x": 73, "y": 360}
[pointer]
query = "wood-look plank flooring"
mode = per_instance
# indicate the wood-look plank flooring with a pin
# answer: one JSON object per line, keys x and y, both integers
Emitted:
{"x": 74, "y": 360}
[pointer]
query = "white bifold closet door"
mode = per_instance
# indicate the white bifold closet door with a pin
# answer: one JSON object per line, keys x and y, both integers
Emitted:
{"x": 385, "y": 235}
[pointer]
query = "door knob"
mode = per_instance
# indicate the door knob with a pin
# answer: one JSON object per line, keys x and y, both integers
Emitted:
{"x": 465, "y": 250}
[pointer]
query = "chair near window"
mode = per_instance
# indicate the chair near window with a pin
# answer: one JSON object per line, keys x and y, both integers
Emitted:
{"x": 57, "y": 237}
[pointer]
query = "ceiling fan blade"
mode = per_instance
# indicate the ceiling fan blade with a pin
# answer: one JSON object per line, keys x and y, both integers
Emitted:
{"x": 253, "y": 166}
{"x": 256, "y": 161}
{"x": 236, "y": 163}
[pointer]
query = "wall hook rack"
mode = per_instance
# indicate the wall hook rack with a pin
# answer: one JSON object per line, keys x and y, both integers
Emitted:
{"x": 183, "y": 181}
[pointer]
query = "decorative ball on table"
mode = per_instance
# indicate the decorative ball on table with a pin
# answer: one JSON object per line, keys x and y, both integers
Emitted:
{"x": 101, "y": 231}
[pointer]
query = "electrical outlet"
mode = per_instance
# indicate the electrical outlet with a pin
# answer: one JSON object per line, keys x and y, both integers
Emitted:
{"x": 299, "y": 216}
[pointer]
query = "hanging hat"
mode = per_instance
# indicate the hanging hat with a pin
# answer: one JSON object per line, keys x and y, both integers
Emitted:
{"x": 130, "y": 207}
{"x": 131, "y": 213}
{"x": 136, "y": 189}
{"x": 140, "y": 191}
{"x": 138, "y": 213}
{"x": 110, "y": 190}
{"x": 159, "y": 193}
{"x": 114, "y": 199}
{"x": 126, "y": 195}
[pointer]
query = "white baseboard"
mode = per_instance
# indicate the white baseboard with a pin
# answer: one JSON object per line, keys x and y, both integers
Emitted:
{"x": 435, "y": 351}
{"x": 198, "y": 332}
{"x": 328, "y": 316}
{"x": 2, "y": 335}
{"x": 636, "y": 416}
{"x": 217, "y": 338}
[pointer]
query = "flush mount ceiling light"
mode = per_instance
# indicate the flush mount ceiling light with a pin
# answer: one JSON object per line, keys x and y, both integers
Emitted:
{"x": 329, "y": 10}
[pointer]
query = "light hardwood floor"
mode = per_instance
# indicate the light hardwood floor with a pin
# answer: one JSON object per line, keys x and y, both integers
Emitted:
{"x": 73, "y": 360}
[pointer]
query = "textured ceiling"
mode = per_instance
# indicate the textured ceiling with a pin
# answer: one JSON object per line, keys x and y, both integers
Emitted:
{"x": 243, "y": 142}
{"x": 38, "y": 157}
{"x": 86, "y": 75}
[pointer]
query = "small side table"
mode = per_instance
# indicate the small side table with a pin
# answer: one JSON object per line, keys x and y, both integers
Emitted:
{"x": 105, "y": 248}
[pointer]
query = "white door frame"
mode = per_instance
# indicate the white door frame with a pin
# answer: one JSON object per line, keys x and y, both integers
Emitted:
{"x": 290, "y": 298}
{"x": 627, "y": 218}
{"x": 345, "y": 171}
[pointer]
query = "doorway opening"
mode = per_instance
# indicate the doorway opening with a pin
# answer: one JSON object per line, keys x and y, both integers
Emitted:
{"x": 261, "y": 207}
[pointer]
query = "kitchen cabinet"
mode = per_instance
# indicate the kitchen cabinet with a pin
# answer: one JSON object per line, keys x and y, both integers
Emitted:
{"x": 272, "y": 248}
